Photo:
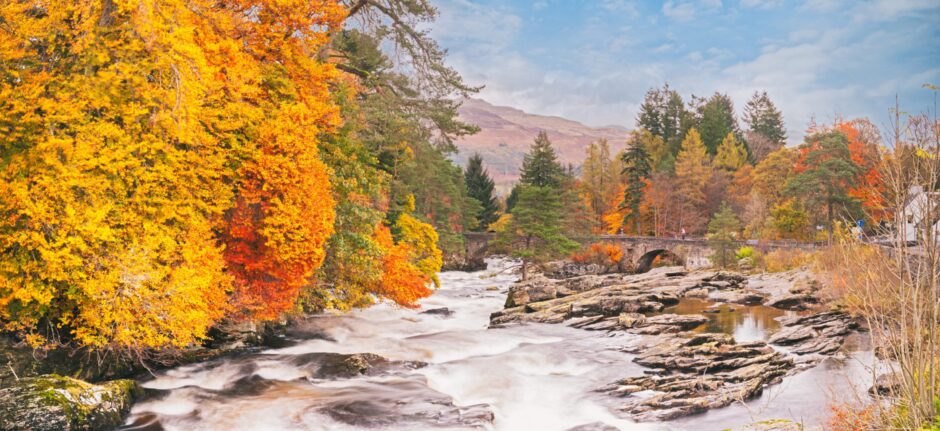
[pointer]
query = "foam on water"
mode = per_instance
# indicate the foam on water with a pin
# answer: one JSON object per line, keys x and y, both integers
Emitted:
{"x": 531, "y": 377}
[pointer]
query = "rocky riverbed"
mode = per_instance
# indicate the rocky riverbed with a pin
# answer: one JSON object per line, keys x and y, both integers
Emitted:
{"x": 692, "y": 366}
{"x": 665, "y": 350}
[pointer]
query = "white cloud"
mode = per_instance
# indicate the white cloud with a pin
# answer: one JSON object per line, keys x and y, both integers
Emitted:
{"x": 823, "y": 5}
{"x": 761, "y": 4}
{"x": 625, "y": 6}
{"x": 682, "y": 12}
{"x": 888, "y": 10}
{"x": 820, "y": 71}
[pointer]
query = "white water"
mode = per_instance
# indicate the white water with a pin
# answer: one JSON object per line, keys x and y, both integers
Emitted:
{"x": 531, "y": 377}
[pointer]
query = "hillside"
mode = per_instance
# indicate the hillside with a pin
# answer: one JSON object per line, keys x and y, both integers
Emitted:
{"x": 506, "y": 133}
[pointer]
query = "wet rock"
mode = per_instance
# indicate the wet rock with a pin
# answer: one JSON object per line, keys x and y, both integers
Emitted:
{"x": 794, "y": 302}
{"x": 739, "y": 296}
{"x": 668, "y": 323}
{"x": 57, "y": 403}
{"x": 885, "y": 384}
{"x": 820, "y": 333}
{"x": 443, "y": 312}
{"x": 338, "y": 365}
{"x": 460, "y": 262}
{"x": 593, "y": 296}
{"x": 695, "y": 373}
{"x": 537, "y": 288}
{"x": 424, "y": 408}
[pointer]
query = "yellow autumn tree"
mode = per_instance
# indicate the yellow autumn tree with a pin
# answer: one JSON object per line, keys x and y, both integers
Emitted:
{"x": 131, "y": 134}
{"x": 693, "y": 170}
{"x": 732, "y": 154}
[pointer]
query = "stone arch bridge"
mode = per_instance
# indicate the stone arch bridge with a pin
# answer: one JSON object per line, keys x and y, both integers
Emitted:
{"x": 641, "y": 251}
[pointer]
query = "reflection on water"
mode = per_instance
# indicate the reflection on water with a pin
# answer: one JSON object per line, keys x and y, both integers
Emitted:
{"x": 744, "y": 322}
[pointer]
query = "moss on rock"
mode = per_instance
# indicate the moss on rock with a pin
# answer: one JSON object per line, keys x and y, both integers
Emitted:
{"x": 53, "y": 402}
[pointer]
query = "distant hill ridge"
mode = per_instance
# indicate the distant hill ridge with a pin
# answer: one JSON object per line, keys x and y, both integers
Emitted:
{"x": 506, "y": 134}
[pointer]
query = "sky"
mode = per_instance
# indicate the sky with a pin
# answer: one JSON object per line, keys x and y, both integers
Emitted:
{"x": 593, "y": 60}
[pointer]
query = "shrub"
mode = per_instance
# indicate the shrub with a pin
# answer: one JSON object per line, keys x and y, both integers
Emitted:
{"x": 605, "y": 254}
{"x": 744, "y": 252}
{"x": 848, "y": 417}
{"x": 783, "y": 260}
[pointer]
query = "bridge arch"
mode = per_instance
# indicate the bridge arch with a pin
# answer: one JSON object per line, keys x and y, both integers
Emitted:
{"x": 645, "y": 262}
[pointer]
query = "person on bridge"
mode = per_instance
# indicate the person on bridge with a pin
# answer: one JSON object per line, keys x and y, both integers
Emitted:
{"x": 683, "y": 233}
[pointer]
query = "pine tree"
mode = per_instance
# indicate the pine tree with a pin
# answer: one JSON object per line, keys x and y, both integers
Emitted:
{"x": 717, "y": 120}
{"x": 732, "y": 154}
{"x": 540, "y": 167}
{"x": 636, "y": 170}
{"x": 693, "y": 170}
{"x": 480, "y": 187}
{"x": 762, "y": 117}
{"x": 663, "y": 114}
{"x": 723, "y": 229}
{"x": 824, "y": 172}
{"x": 535, "y": 233}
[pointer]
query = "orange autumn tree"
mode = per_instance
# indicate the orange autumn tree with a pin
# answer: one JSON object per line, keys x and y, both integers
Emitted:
{"x": 614, "y": 219}
{"x": 409, "y": 265}
{"x": 869, "y": 187}
{"x": 131, "y": 134}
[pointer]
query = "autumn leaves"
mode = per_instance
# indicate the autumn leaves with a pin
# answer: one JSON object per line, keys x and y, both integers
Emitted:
{"x": 160, "y": 169}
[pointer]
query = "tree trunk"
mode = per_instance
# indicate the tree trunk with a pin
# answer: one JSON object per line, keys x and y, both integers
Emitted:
{"x": 829, "y": 222}
{"x": 524, "y": 267}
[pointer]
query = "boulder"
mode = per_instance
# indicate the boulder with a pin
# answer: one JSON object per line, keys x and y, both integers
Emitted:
{"x": 56, "y": 403}
{"x": 885, "y": 384}
{"x": 535, "y": 289}
{"x": 323, "y": 365}
{"x": 442, "y": 311}
{"x": 800, "y": 301}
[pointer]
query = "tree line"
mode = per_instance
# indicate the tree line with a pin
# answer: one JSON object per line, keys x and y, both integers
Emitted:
{"x": 691, "y": 169}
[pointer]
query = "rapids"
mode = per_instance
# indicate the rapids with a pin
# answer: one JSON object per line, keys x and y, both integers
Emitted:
{"x": 526, "y": 377}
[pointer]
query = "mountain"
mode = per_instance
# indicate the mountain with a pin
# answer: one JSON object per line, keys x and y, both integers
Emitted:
{"x": 506, "y": 134}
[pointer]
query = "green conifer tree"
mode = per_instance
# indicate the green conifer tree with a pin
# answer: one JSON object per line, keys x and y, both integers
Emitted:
{"x": 540, "y": 167}
{"x": 480, "y": 187}
{"x": 636, "y": 169}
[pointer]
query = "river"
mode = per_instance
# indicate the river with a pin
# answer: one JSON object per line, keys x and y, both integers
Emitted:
{"x": 530, "y": 377}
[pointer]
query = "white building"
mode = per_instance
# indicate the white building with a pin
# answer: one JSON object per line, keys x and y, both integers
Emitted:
{"x": 921, "y": 213}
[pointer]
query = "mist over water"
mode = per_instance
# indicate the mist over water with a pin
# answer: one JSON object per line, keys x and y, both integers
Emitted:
{"x": 531, "y": 377}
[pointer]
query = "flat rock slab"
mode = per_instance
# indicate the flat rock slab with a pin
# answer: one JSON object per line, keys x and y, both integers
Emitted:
{"x": 695, "y": 373}
{"x": 821, "y": 333}
{"x": 596, "y": 297}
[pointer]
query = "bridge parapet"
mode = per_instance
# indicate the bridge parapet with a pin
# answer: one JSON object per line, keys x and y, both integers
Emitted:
{"x": 641, "y": 250}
